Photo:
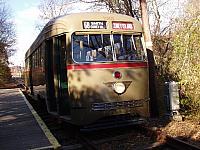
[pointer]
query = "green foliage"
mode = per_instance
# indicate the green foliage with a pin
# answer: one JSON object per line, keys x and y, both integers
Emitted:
{"x": 185, "y": 58}
{"x": 177, "y": 55}
{"x": 5, "y": 74}
{"x": 7, "y": 40}
{"x": 162, "y": 50}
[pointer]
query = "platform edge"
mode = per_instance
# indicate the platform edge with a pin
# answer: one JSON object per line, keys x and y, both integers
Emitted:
{"x": 42, "y": 125}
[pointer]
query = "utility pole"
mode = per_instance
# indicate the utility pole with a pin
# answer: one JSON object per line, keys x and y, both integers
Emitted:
{"x": 149, "y": 47}
{"x": 145, "y": 23}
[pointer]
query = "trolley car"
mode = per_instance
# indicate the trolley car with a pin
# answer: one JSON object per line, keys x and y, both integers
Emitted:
{"x": 90, "y": 66}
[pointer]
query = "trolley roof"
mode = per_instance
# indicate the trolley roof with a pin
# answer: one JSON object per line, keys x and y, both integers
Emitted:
{"x": 74, "y": 23}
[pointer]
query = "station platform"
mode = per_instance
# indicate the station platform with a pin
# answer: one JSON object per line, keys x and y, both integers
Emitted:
{"x": 20, "y": 126}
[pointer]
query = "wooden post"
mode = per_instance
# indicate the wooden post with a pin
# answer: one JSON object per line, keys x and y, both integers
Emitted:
{"x": 147, "y": 38}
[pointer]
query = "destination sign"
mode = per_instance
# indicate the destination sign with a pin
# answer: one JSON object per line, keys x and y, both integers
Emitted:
{"x": 122, "y": 25}
{"x": 94, "y": 25}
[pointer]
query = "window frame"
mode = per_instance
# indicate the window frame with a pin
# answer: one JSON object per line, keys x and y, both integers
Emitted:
{"x": 112, "y": 42}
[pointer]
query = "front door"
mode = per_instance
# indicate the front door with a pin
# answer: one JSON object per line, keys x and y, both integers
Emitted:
{"x": 60, "y": 75}
{"x": 56, "y": 75}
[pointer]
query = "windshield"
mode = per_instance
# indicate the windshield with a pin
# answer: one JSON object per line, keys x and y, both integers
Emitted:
{"x": 107, "y": 47}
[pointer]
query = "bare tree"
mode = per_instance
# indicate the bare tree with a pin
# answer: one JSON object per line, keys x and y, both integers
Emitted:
{"x": 7, "y": 40}
{"x": 7, "y": 31}
{"x": 162, "y": 13}
{"x": 53, "y": 8}
{"x": 128, "y": 7}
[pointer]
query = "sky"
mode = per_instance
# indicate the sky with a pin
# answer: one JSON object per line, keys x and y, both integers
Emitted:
{"x": 25, "y": 15}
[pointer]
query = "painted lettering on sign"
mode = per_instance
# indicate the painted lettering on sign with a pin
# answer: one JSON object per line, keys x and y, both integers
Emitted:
{"x": 94, "y": 24}
{"x": 122, "y": 25}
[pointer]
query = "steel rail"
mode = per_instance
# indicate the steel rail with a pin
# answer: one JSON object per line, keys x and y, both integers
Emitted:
{"x": 180, "y": 144}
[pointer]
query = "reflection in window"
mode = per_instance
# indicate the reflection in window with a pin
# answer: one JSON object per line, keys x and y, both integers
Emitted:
{"x": 105, "y": 47}
{"x": 128, "y": 47}
{"x": 98, "y": 48}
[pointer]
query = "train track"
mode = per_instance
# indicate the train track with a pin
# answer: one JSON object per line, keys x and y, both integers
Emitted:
{"x": 178, "y": 144}
{"x": 170, "y": 143}
{"x": 131, "y": 137}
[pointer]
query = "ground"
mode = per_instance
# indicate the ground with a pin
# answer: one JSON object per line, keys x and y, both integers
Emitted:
{"x": 187, "y": 130}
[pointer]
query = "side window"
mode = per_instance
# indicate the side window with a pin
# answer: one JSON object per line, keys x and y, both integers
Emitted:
{"x": 42, "y": 55}
{"x": 27, "y": 64}
{"x": 128, "y": 44}
{"x": 36, "y": 58}
{"x": 95, "y": 41}
{"x": 80, "y": 48}
{"x": 92, "y": 48}
{"x": 118, "y": 47}
{"x": 33, "y": 60}
{"x": 39, "y": 57}
{"x": 138, "y": 45}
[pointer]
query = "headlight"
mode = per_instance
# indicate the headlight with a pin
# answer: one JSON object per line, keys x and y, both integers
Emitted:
{"x": 119, "y": 88}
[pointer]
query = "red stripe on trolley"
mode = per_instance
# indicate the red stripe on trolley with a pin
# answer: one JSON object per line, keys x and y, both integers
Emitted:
{"x": 106, "y": 66}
